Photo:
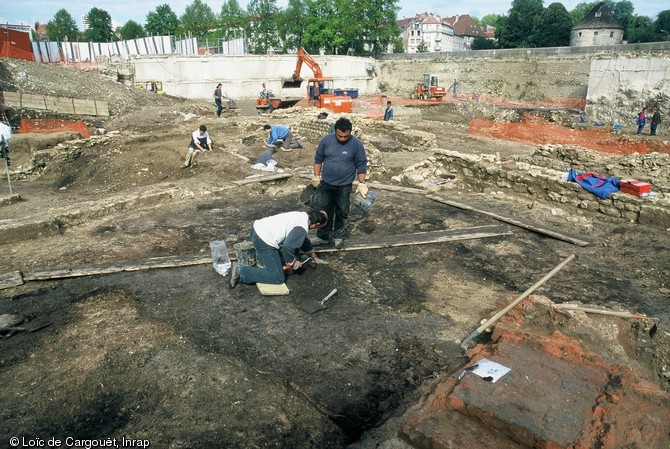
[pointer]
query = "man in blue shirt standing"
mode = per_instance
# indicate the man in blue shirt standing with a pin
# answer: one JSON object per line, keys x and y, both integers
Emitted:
{"x": 340, "y": 158}
{"x": 388, "y": 113}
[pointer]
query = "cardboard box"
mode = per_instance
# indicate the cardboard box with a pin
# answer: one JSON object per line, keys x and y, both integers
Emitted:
{"x": 634, "y": 187}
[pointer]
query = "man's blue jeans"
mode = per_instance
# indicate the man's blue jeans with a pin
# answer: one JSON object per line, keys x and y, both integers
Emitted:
{"x": 335, "y": 201}
{"x": 273, "y": 271}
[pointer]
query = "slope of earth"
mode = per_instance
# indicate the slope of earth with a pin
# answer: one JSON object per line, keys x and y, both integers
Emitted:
{"x": 132, "y": 353}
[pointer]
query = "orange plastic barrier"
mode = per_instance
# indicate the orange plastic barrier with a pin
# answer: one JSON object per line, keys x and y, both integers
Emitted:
{"x": 53, "y": 125}
{"x": 534, "y": 129}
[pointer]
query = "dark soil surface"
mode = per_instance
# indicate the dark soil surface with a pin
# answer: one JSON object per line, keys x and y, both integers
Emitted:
{"x": 175, "y": 357}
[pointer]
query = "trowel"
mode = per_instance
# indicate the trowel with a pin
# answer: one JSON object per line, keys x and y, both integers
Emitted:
{"x": 313, "y": 307}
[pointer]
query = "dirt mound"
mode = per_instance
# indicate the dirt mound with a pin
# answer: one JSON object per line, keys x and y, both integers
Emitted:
{"x": 60, "y": 80}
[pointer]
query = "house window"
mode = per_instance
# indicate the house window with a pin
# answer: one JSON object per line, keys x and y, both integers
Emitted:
{"x": 418, "y": 32}
{"x": 412, "y": 33}
{"x": 611, "y": 33}
{"x": 580, "y": 33}
{"x": 595, "y": 33}
{"x": 598, "y": 14}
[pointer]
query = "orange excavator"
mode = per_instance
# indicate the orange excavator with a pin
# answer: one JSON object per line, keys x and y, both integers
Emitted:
{"x": 320, "y": 89}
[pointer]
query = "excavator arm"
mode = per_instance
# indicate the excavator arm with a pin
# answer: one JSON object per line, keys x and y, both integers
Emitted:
{"x": 303, "y": 57}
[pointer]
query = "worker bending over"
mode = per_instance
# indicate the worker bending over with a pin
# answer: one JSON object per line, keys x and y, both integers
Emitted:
{"x": 282, "y": 236}
{"x": 280, "y": 136}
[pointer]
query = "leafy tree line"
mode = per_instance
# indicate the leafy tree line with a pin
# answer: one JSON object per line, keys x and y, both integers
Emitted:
{"x": 341, "y": 26}
{"x": 529, "y": 24}
{"x": 338, "y": 26}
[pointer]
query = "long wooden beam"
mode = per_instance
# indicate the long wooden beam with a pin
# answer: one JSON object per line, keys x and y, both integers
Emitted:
{"x": 419, "y": 238}
{"x": 513, "y": 221}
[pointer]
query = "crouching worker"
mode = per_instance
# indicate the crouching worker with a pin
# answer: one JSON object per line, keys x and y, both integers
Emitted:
{"x": 276, "y": 238}
{"x": 200, "y": 141}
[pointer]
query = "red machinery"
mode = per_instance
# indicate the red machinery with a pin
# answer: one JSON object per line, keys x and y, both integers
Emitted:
{"x": 430, "y": 88}
{"x": 320, "y": 89}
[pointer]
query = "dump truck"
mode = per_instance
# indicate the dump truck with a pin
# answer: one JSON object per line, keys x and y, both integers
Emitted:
{"x": 320, "y": 89}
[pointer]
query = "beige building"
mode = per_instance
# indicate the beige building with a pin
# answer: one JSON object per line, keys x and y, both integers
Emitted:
{"x": 429, "y": 32}
{"x": 598, "y": 27}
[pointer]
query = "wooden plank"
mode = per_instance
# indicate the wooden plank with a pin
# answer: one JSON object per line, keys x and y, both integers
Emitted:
{"x": 57, "y": 104}
{"x": 137, "y": 265}
{"x": 376, "y": 185}
{"x": 12, "y": 279}
{"x": 422, "y": 238}
{"x": 419, "y": 238}
{"x": 513, "y": 221}
{"x": 83, "y": 107}
{"x": 262, "y": 178}
{"x": 64, "y": 106}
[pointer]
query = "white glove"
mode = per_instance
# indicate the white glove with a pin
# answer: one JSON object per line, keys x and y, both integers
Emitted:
{"x": 315, "y": 181}
{"x": 362, "y": 189}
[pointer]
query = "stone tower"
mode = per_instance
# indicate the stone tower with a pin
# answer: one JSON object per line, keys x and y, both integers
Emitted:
{"x": 598, "y": 27}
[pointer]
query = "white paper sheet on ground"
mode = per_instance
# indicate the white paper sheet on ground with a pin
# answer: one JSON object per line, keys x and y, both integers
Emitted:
{"x": 487, "y": 370}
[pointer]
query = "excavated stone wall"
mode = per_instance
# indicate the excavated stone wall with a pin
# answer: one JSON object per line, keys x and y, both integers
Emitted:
{"x": 546, "y": 182}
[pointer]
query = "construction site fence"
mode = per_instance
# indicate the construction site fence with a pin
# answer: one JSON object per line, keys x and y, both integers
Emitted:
{"x": 76, "y": 52}
{"x": 53, "y": 125}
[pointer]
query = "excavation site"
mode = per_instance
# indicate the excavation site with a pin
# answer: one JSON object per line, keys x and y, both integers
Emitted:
{"x": 490, "y": 295}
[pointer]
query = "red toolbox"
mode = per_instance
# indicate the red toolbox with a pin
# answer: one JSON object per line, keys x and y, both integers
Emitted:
{"x": 634, "y": 187}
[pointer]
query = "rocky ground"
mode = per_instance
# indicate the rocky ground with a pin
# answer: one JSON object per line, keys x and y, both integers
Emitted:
{"x": 133, "y": 353}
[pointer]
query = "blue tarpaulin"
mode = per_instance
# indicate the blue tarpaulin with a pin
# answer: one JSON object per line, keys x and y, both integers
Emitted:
{"x": 597, "y": 184}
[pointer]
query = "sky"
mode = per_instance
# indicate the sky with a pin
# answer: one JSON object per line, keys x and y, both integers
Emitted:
{"x": 30, "y": 11}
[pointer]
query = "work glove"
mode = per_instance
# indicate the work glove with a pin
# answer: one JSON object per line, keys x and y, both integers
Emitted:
{"x": 316, "y": 181}
{"x": 362, "y": 189}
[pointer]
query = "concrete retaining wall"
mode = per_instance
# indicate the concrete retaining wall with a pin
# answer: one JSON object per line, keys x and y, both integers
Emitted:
{"x": 241, "y": 76}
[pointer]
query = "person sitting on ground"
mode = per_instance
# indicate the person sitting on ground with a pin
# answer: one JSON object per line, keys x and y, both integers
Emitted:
{"x": 280, "y": 136}
{"x": 388, "y": 113}
{"x": 282, "y": 236}
{"x": 200, "y": 141}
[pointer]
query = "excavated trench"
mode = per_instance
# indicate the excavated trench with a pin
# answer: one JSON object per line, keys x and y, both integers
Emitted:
{"x": 131, "y": 352}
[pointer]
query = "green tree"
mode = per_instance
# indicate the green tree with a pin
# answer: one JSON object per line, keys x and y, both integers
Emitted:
{"x": 99, "y": 26}
{"x": 552, "y": 28}
{"x": 662, "y": 25}
{"x": 493, "y": 20}
{"x": 162, "y": 22}
{"x": 422, "y": 47}
{"x": 641, "y": 29}
{"x": 398, "y": 45}
{"x": 517, "y": 28}
{"x": 62, "y": 26}
{"x": 130, "y": 30}
{"x": 623, "y": 11}
{"x": 198, "y": 19}
{"x": 263, "y": 37}
{"x": 378, "y": 19}
{"x": 482, "y": 43}
{"x": 232, "y": 20}
{"x": 291, "y": 25}
{"x": 319, "y": 32}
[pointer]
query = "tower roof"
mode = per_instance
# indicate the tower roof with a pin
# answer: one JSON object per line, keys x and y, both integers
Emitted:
{"x": 599, "y": 17}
